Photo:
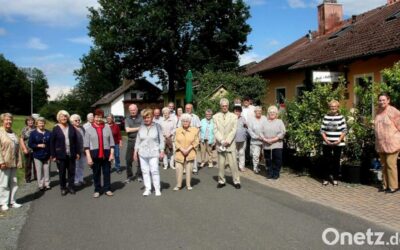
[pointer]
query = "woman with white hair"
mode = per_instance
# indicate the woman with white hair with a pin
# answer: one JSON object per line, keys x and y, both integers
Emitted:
{"x": 64, "y": 151}
{"x": 168, "y": 126}
{"x": 255, "y": 129}
{"x": 80, "y": 163}
{"x": 207, "y": 139}
{"x": 10, "y": 159}
{"x": 272, "y": 135}
{"x": 186, "y": 142}
{"x": 39, "y": 142}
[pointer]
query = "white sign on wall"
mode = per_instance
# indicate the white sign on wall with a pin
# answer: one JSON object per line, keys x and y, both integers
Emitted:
{"x": 326, "y": 76}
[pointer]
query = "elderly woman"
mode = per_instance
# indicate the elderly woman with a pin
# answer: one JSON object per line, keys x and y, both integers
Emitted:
{"x": 240, "y": 138}
{"x": 186, "y": 141}
{"x": 10, "y": 159}
{"x": 80, "y": 163}
{"x": 387, "y": 141}
{"x": 149, "y": 148}
{"x": 39, "y": 142}
{"x": 168, "y": 126}
{"x": 333, "y": 131}
{"x": 116, "y": 132}
{"x": 255, "y": 129}
{"x": 99, "y": 148}
{"x": 272, "y": 135}
{"x": 207, "y": 139}
{"x": 28, "y": 156}
{"x": 64, "y": 151}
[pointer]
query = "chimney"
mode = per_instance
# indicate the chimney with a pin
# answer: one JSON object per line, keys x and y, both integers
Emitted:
{"x": 389, "y": 2}
{"x": 330, "y": 15}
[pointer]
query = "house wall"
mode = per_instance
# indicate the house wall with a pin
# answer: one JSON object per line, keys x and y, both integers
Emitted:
{"x": 290, "y": 80}
{"x": 106, "y": 109}
{"x": 117, "y": 106}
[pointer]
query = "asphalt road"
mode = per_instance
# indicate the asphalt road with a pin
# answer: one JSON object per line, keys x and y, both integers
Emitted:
{"x": 254, "y": 217}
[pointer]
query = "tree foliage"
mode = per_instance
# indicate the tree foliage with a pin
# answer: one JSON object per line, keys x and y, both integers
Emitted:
{"x": 237, "y": 85}
{"x": 15, "y": 85}
{"x": 167, "y": 38}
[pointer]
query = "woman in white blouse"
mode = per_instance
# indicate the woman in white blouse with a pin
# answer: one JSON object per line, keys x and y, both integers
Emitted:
{"x": 149, "y": 148}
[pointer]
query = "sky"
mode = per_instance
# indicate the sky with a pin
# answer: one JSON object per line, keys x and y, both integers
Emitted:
{"x": 52, "y": 34}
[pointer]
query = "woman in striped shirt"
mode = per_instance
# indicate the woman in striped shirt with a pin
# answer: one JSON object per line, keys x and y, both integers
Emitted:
{"x": 333, "y": 131}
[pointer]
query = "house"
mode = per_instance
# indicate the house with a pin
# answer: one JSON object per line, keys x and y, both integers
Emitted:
{"x": 140, "y": 92}
{"x": 357, "y": 49}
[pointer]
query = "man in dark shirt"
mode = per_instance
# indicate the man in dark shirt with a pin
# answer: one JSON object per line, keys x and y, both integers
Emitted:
{"x": 132, "y": 125}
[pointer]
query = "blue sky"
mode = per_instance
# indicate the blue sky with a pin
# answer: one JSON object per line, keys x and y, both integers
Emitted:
{"x": 52, "y": 34}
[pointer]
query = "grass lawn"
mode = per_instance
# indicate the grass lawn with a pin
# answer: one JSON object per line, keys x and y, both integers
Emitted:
{"x": 18, "y": 125}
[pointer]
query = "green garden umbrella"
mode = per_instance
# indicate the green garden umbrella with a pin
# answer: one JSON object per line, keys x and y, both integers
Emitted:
{"x": 189, "y": 87}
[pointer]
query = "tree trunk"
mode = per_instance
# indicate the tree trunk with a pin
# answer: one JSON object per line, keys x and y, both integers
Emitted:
{"x": 171, "y": 87}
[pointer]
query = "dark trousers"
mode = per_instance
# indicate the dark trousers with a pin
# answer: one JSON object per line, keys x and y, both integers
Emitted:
{"x": 101, "y": 165}
{"x": 64, "y": 166}
{"x": 332, "y": 160}
{"x": 130, "y": 148}
{"x": 29, "y": 163}
{"x": 273, "y": 162}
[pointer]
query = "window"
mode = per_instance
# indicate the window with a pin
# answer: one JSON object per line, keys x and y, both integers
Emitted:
{"x": 393, "y": 16}
{"x": 299, "y": 91}
{"x": 280, "y": 95}
{"x": 341, "y": 32}
{"x": 363, "y": 81}
{"x": 137, "y": 95}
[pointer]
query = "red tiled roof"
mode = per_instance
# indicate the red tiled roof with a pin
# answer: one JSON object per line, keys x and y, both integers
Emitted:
{"x": 370, "y": 34}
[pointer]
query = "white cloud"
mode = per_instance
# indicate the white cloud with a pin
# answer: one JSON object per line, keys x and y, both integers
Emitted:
{"x": 273, "y": 42}
{"x": 296, "y": 4}
{"x": 81, "y": 40}
{"x": 56, "y": 90}
{"x": 49, "y": 12}
{"x": 3, "y": 32}
{"x": 49, "y": 57}
{"x": 354, "y": 7}
{"x": 249, "y": 57}
{"x": 36, "y": 43}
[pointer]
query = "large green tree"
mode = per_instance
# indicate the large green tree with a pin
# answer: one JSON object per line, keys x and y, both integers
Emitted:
{"x": 168, "y": 37}
{"x": 15, "y": 86}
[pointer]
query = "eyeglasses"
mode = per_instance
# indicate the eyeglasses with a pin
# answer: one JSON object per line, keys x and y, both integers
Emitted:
{"x": 78, "y": 120}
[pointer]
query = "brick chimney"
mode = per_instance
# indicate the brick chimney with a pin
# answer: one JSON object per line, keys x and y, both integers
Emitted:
{"x": 330, "y": 16}
{"x": 389, "y": 2}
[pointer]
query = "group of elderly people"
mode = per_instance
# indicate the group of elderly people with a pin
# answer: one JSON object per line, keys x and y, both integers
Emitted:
{"x": 179, "y": 139}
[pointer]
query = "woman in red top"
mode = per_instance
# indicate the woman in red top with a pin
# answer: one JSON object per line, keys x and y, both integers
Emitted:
{"x": 116, "y": 132}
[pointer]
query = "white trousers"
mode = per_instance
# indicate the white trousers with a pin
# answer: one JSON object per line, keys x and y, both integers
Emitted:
{"x": 79, "y": 167}
{"x": 241, "y": 153}
{"x": 42, "y": 173}
{"x": 151, "y": 172}
{"x": 256, "y": 152}
{"x": 8, "y": 185}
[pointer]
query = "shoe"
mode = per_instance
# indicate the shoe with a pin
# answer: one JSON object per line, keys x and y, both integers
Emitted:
{"x": 256, "y": 171}
{"x": 221, "y": 185}
{"x": 16, "y": 205}
{"x": 119, "y": 171}
{"x": 41, "y": 189}
{"x": 71, "y": 190}
{"x": 96, "y": 195}
{"x": 177, "y": 188}
{"x": 237, "y": 186}
{"x": 47, "y": 188}
{"x": 173, "y": 167}
{"x": 325, "y": 183}
{"x": 158, "y": 193}
{"x": 28, "y": 181}
{"x": 139, "y": 179}
{"x": 63, "y": 192}
{"x": 146, "y": 193}
{"x": 202, "y": 165}
{"x": 165, "y": 167}
{"x": 4, "y": 207}
{"x": 210, "y": 165}
{"x": 382, "y": 189}
{"x": 128, "y": 180}
{"x": 109, "y": 193}
{"x": 391, "y": 191}
{"x": 82, "y": 182}
{"x": 77, "y": 184}
{"x": 195, "y": 173}
{"x": 189, "y": 188}
{"x": 335, "y": 183}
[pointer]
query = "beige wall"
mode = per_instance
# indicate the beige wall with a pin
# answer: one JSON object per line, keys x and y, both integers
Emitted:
{"x": 360, "y": 68}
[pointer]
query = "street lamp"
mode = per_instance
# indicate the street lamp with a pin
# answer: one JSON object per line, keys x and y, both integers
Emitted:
{"x": 31, "y": 81}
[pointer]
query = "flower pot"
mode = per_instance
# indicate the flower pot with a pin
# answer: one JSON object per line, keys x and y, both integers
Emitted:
{"x": 351, "y": 173}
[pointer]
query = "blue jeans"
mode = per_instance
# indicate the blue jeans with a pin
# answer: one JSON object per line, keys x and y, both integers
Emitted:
{"x": 101, "y": 165}
{"x": 116, "y": 155}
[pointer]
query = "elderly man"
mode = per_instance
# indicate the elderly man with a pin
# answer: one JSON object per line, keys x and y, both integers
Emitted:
{"x": 225, "y": 132}
{"x": 90, "y": 119}
{"x": 157, "y": 116}
{"x": 171, "y": 107}
{"x": 132, "y": 125}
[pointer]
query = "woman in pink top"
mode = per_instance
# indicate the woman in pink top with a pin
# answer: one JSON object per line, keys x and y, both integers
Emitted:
{"x": 387, "y": 134}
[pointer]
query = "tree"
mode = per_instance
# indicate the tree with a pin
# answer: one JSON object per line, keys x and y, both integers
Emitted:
{"x": 167, "y": 38}
{"x": 100, "y": 74}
